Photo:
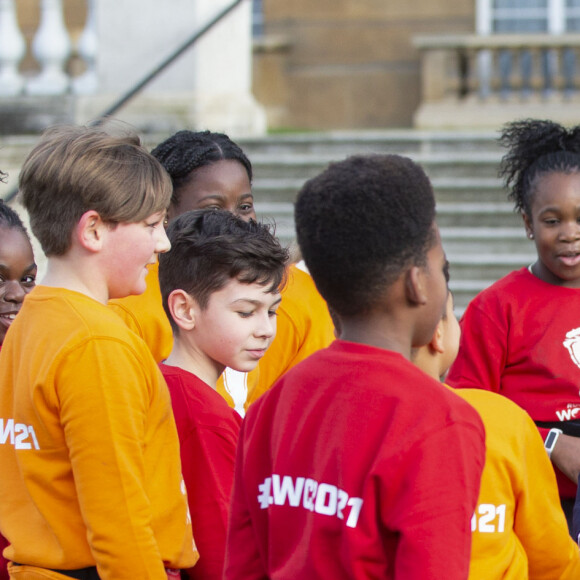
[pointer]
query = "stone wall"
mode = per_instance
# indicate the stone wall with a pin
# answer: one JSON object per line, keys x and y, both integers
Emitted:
{"x": 347, "y": 63}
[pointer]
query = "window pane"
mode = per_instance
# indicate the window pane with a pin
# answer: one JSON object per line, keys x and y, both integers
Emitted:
{"x": 527, "y": 26}
{"x": 521, "y": 4}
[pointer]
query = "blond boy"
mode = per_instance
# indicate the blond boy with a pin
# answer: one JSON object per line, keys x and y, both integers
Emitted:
{"x": 91, "y": 483}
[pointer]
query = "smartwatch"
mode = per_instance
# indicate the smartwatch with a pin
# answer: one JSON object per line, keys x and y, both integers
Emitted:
{"x": 551, "y": 439}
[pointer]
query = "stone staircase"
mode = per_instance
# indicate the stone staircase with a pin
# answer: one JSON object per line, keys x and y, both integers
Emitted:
{"x": 483, "y": 237}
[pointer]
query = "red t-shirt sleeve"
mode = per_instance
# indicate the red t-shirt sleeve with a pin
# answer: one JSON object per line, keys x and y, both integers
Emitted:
{"x": 482, "y": 352}
{"x": 432, "y": 504}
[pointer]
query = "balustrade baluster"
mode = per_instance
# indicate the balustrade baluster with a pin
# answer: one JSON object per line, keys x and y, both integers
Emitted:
{"x": 549, "y": 60}
{"x": 51, "y": 47}
{"x": 526, "y": 69}
{"x": 505, "y": 64}
{"x": 12, "y": 50}
{"x": 87, "y": 83}
{"x": 484, "y": 70}
{"x": 569, "y": 71}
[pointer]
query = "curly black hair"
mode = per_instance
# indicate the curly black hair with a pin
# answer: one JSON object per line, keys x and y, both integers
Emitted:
{"x": 209, "y": 247}
{"x": 535, "y": 148}
{"x": 360, "y": 223}
{"x": 186, "y": 151}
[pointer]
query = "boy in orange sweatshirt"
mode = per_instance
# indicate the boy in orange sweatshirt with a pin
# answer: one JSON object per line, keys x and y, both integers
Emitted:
{"x": 91, "y": 483}
{"x": 519, "y": 529}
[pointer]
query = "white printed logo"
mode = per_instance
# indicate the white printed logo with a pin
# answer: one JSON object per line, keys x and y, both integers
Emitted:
{"x": 572, "y": 343}
{"x": 488, "y": 518}
{"x": 20, "y": 435}
{"x": 322, "y": 498}
{"x": 568, "y": 414}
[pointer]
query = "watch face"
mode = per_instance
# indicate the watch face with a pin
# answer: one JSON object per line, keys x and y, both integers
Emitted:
{"x": 550, "y": 439}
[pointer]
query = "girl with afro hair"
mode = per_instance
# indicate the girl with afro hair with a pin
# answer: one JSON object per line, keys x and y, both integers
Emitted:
{"x": 521, "y": 336}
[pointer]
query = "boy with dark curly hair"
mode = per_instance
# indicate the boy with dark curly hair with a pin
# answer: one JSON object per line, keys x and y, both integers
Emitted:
{"x": 220, "y": 287}
{"x": 356, "y": 464}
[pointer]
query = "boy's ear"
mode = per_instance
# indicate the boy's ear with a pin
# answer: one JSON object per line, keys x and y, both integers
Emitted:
{"x": 90, "y": 231}
{"x": 415, "y": 285}
{"x": 436, "y": 343}
{"x": 181, "y": 306}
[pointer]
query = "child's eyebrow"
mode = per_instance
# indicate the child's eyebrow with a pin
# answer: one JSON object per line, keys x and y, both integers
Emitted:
{"x": 6, "y": 267}
{"x": 256, "y": 302}
{"x": 222, "y": 196}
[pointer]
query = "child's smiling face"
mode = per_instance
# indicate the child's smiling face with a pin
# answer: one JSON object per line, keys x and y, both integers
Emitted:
{"x": 224, "y": 185}
{"x": 554, "y": 225}
{"x": 17, "y": 274}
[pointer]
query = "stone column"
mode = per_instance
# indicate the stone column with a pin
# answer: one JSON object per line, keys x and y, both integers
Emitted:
{"x": 209, "y": 86}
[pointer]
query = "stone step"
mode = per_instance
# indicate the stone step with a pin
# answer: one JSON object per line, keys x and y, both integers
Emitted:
{"x": 457, "y": 189}
{"x": 446, "y": 165}
{"x": 342, "y": 143}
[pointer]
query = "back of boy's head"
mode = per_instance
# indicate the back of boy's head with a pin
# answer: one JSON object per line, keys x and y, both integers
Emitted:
{"x": 536, "y": 148}
{"x": 75, "y": 169}
{"x": 210, "y": 247}
{"x": 186, "y": 151}
{"x": 360, "y": 223}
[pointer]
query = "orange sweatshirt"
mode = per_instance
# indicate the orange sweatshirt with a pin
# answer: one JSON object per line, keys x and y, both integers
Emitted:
{"x": 519, "y": 529}
{"x": 89, "y": 452}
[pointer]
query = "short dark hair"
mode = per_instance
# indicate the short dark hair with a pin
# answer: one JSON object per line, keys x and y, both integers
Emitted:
{"x": 10, "y": 219}
{"x": 74, "y": 169}
{"x": 209, "y": 247}
{"x": 186, "y": 151}
{"x": 360, "y": 223}
{"x": 536, "y": 148}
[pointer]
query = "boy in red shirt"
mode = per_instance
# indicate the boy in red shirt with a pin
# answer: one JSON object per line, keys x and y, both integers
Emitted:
{"x": 356, "y": 464}
{"x": 220, "y": 288}
{"x": 91, "y": 483}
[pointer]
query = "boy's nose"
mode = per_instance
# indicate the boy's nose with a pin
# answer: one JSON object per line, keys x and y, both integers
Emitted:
{"x": 163, "y": 244}
{"x": 267, "y": 327}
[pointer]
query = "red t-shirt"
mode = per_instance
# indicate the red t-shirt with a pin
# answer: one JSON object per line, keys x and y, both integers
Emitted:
{"x": 521, "y": 338}
{"x": 208, "y": 433}
{"x": 355, "y": 465}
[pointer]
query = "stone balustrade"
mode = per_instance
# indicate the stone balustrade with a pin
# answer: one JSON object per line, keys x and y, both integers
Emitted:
{"x": 475, "y": 80}
{"x": 51, "y": 47}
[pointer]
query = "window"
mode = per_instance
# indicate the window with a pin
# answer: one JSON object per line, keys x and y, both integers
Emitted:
{"x": 528, "y": 16}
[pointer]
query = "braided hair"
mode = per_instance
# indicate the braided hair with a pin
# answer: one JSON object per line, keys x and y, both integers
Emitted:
{"x": 535, "y": 148}
{"x": 185, "y": 151}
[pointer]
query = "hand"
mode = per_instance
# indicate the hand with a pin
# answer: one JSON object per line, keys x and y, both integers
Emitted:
{"x": 566, "y": 456}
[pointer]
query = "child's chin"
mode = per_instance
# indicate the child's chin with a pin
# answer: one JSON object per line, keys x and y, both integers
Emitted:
{"x": 246, "y": 367}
